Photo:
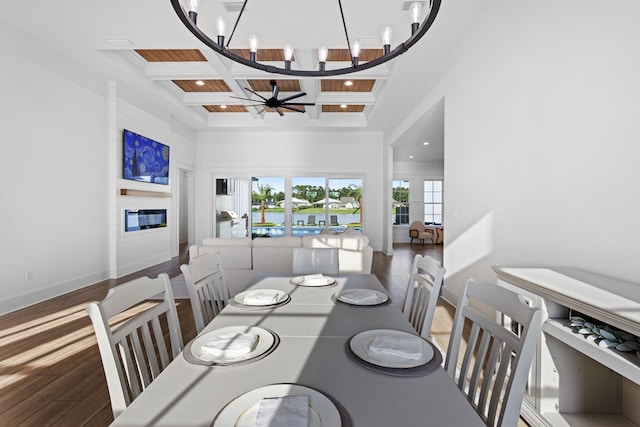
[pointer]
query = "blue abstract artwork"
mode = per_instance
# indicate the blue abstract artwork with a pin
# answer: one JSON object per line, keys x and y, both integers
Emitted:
{"x": 145, "y": 159}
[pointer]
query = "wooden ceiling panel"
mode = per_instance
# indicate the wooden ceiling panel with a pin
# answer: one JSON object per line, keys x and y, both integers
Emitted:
{"x": 345, "y": 55}
{"x": 208, "y": 86}
{"x": 228, "y": 109}
{"x": 263, "y": 55}
{"x": 171, "y": 55}
{"x": 339, "y": 85}
{"x": 283, "y": 85}
{"x": 338, "y": 109}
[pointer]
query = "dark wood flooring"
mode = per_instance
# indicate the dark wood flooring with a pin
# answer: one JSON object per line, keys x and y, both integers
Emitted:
{"x": 50, "y": 369}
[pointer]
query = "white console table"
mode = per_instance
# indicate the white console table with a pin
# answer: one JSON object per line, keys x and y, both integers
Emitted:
{"x": 575, "y": 382}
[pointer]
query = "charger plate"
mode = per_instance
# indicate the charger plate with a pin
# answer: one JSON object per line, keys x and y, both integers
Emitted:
{"x": 267, "y": 342}
{"x": 343, "y": 297}
{"x": 301, "y": 282}
{"x": 241, "y": 411}
{"x": 357, "y": 349}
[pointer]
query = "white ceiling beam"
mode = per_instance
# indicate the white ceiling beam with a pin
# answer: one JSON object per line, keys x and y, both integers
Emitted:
{"x": 181, "y": 71}
{"x": 346, "y": 98}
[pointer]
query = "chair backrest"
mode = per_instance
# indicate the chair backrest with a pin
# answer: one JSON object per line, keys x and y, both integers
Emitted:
{"x": 315, "y": 260}
{"x": 311, "y": 219}
{"x": 423, "y": 291}
{"x": 416, "y": 225}
{"x": 208, "y": 290}
{"x": 133, "y": 349}
{"x": 333, "y": 219}
{"x": 494, "y": 370}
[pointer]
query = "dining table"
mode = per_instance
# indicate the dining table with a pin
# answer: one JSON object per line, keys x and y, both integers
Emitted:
{"x": 311, "y": 335}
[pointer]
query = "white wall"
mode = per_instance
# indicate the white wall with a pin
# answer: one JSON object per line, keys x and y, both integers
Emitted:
{"x": 288, "y": 154}
{"x": 53, "y": 146}
{"x": 541, "y": 139}
{"x": 61, "y": 168}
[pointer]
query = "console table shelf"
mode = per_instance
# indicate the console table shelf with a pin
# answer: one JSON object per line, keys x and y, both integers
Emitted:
{"x": 143, "y": 193}
{"x": 573, "y": 381}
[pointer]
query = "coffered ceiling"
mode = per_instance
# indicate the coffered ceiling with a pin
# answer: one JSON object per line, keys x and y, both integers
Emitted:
{"x": 147, "y": 51}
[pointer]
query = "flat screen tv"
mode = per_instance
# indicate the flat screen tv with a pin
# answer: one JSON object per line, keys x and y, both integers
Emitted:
{"x": 145, "y": 159}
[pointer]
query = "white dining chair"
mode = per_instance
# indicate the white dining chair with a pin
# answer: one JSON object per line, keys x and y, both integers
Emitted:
{"x": 315, "y": 260}
{"x": 207, "y": 287}
{"x": 494, "y": 370}
{"x": 132, "y": 343}
{"x": 423, "y": 291}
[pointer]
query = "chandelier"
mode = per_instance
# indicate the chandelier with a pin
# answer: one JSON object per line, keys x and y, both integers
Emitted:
{"x": 420, "y": 22}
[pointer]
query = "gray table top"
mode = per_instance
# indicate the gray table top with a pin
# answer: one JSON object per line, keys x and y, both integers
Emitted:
{"x": 314, "y": 334}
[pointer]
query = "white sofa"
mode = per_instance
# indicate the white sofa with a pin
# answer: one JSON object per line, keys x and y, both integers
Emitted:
{"x": 243, "y": 258}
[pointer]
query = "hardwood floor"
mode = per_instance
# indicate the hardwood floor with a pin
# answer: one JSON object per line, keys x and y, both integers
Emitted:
{"x": 50, "y": 368}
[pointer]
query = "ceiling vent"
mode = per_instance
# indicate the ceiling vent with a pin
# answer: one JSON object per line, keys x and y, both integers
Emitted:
{"x": 406, "y": 5}
{"x": 233, "y": 6}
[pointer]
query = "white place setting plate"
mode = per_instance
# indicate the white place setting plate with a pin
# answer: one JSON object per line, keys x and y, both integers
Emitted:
{"x": 363, "y": 297}
{"x": 313, "y": 280}
{"x": 391, "y": 348}
{"x": 241, "y": 411}
{"x": 265, "y": 340}
{"x": 261, "y": 297}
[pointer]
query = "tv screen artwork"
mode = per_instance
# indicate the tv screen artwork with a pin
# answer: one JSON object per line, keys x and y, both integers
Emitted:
{"x": 145, "y": 159}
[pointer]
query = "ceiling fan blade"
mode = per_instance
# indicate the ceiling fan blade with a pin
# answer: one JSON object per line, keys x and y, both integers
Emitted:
{"x": 298, "y": 103}
{"x": 280, "y": 111}
{"x": 254, "y": 105}
{"x": 255, "y": 93}
{"x": 289, "y": 98}
{"x": 293, "y": 109}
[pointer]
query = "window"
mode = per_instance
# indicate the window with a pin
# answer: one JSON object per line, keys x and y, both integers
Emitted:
{"x": 433, "y": 201}
{"x": 400, "y": 209}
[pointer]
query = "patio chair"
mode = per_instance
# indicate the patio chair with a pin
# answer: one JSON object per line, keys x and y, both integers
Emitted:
{"x": 333, "y": 220}
{"x": 311, "y": 220}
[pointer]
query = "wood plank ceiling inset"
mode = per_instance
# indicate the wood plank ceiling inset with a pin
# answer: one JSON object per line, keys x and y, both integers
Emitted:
{"x": 171, "y": 55}
{"x": 208, "y": 86}
{"x": 283, "y": 85}
{"x": 263, "y": 55}
{"x": 338, "y": 85}
{"x": 229, "y": 109}
{"x": 338, "y": 109}
{"x": 345, "y": 55}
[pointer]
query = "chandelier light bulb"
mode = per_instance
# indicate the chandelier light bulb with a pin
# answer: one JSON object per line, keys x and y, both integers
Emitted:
{"x": 253, "y": 47}
{"x": 355, "y": 52}
{"x": 386, "y": 39}
{"x": 288, "y": 56}
{"x": 415, "y": 10}
{"x": 323, "y": 53}
{"x": 193, "y": 10}
{"x": 221, "y": 29}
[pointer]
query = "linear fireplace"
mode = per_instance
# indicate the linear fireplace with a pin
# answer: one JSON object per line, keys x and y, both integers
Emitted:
{"x": 143, "y": 219}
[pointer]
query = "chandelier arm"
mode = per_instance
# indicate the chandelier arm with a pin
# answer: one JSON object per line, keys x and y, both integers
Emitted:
{"x": 400, "y": 49}
{"x": 346, "y": 34}
{"x": 236, "y": 23}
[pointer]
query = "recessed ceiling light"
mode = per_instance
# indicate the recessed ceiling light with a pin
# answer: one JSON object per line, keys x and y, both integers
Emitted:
{"x": 223, "y": 106}
{"x": 343, "y": 106}
{"x": 199, "y": 82}
{"x": 411, "y": 157}
{"x": 425, "y": 143}
{"x": 348, "y": 83}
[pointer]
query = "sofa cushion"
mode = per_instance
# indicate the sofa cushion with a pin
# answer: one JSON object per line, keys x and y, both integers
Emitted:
{"x": 275, "y": 254}
{"x": 234, "y": 253}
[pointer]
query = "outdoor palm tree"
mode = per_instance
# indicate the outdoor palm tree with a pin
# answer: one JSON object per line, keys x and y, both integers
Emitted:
{"x": 264, "y": 193}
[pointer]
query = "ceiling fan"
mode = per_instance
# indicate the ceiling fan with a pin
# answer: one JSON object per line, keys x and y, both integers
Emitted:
{"x": 274, "y": 102}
